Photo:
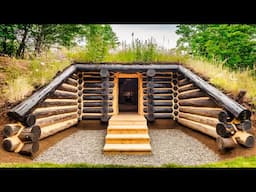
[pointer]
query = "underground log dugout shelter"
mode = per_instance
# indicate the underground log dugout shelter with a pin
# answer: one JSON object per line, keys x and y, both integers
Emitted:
{"x": 127, "y": 97}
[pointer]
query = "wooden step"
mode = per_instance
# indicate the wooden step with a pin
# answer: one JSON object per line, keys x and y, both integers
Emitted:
{"x": 127, "y": 123}
{"x": 127, "y": 139}
{"x": 127, "y": 148}
{"x": 124, "y": 129}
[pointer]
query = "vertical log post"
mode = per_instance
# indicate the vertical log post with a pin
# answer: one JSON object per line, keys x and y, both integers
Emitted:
{"x": 150, "y": 84}
{"x": 80, "y": 83}
{"x": 104, "y": 73}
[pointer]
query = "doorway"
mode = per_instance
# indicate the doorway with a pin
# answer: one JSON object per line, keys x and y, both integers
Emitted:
{"x": 128, "y": 95}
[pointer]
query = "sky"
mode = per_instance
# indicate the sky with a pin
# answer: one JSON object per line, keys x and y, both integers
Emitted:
{"x": 163, "y": 34}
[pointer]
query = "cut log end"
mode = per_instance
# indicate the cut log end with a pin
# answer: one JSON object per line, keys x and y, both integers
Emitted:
{"x": 225, "y": 143}
{"x": 30, "y": 148}
{"x": 30, "y": 120}
{"x": 11, "y": 129}
{"x": 248, "y": 142}
{"x": 223, "y": 130}
{"x": 7, "y": 145}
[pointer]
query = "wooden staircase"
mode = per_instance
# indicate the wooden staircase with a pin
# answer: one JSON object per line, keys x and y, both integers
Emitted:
{"x": 127, "y": 134}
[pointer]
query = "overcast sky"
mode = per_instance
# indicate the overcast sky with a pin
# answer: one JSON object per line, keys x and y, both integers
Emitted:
{"x": 163, "y": 34}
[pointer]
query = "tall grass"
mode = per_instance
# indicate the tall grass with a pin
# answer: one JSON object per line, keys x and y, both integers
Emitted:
{"x": 21, "y": 81}
{"x": 224, "y": 78}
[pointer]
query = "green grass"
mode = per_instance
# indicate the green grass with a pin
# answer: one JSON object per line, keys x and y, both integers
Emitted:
{"x": 224, "y": 78}
{"x": 239, "y": 162}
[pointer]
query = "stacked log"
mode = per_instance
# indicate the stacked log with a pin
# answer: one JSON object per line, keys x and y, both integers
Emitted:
{"x": 97, "y": 95}
{"x": 60, "y": 110}
{"x": 20, "y": 139}
{"x": 199, "y": 111}
{"x": 158, "y": 95}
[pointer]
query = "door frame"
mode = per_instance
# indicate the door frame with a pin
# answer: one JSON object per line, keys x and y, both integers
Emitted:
{"x": 118, "y": 75}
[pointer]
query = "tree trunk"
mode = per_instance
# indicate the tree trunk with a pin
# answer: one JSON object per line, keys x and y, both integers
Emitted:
{"x": 22, "y": 46}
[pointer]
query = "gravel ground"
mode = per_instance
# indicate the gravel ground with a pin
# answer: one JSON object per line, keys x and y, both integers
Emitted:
{"x": 168, "y": 146}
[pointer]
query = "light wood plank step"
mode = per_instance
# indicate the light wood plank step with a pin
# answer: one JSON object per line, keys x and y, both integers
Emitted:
{"x": 127, "y": 139}
{"x": 127, "y": 147}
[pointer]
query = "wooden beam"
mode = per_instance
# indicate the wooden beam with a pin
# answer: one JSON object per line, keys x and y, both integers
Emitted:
{"x": 235, "y": 108}
{"x": 204, "y": 111}
{"x": 200, "y": 119}
{"x": 55, "y": 118}
{"x": 67, "y": 87}
{"x": 126, "y": 68}
{"x": 184, "y": 81}
{"x": 49, "y": 111}
{"x": 58, "y": 102}
{"x": 150, "y": 86}
{"x": 163, "y": 115}
{"x": 206, "y": 129}
{"x": 187, "y": 87}
{"x": 198, "y": 102}
{"x": 160, "y": 103}
{"x": 54, "y": 128}
{"x": 105, "y": 94}
{"x": 194, "y": 93}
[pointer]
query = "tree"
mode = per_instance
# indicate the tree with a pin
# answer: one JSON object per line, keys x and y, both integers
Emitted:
{"x": 233, "y": 43}
{"x": 8, "y": 42}
{"x": 99, "y": 38}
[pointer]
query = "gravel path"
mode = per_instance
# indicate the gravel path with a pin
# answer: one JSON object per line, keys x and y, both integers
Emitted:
{"x": 168, "y": 146}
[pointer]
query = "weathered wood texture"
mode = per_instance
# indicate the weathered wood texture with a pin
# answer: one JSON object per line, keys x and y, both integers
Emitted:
{"x": 235, "y": 108}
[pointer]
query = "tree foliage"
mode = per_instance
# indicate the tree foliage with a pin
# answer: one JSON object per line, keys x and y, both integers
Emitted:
{"x": 18, "y": 39}
{"x": 233, "y": 43}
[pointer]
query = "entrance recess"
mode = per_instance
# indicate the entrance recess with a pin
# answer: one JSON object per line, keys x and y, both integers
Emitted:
{"x": 128, "y": 95}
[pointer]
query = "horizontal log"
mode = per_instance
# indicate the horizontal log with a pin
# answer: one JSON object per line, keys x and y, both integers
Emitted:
{"x": 160, "y": 85}
{"x": 67, "y": 87}
{"x": 161, "y": 103}
{"x": 74, "y": 76}
{"x": 205, "y": 111}
{"x": 168, "y": 79}
{"x": 229, "y": 104}
{"x": 95, "y": 97}
{"x": 57, "y": 127}
{"x": 96, "y": 91}
{"x": 96, "y": 78}
{"x": 206, "y": 129}
{"x": 192, "y": 94}
{"x": 55, "y": 118}
{"x": 58, "y": 102}
{"x": 187, "y": 87}
{"x": 163, "y": 115}
{"x": 160, "y": 110}
{"x": 200, "y": 119}
{"x": 97, "y": 85}
{"x": 160, "y": 91}
{"x": 96, "y": 110}
{"x": 160, "y": 97}
{"x": 225, "y": 143}
{"x": 11, "y": 143}
{"x": 95, "y": 104}
{"x": 11, "y": 129}
{"x": 20, "y": 111}
{"x": 49, "y": 111}
{"x": 91, "y": 117}
{"x": 29, "y": 148}
{"x": 198, "y": 102}
{"x": 183, "y": 82}
{"x": 71, "y": 81}
{"x": 62, "y": 95}
{"x": 245, "y": 139}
